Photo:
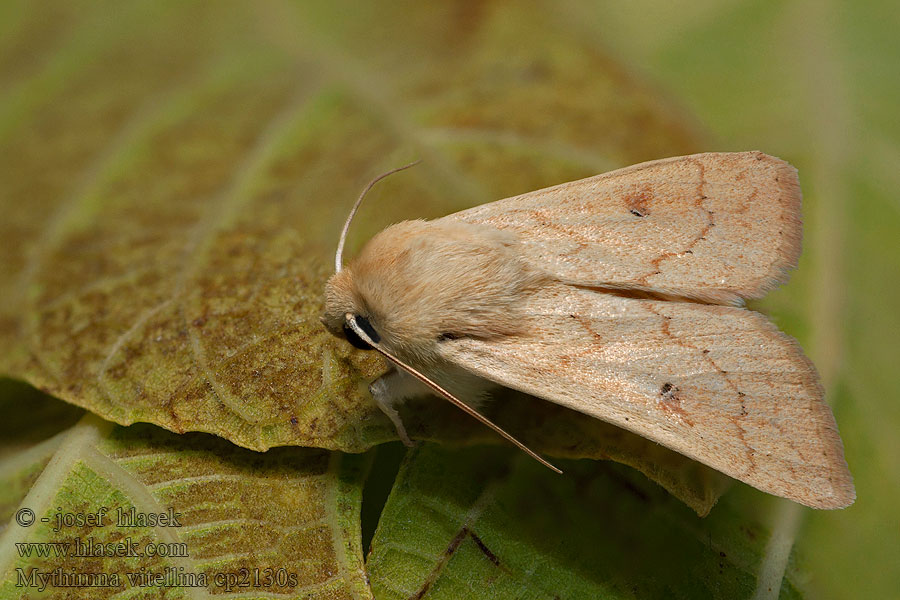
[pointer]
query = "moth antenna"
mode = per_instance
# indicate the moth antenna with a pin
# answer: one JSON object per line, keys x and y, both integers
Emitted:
{"x": 338, "y": 256}
{"x": 351, "y": 322}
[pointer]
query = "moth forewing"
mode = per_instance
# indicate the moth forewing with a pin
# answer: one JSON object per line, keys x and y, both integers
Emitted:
{"x": 717, "y": 227}
{"x": 718, "y": 384}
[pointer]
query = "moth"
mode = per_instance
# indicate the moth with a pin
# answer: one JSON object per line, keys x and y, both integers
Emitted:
{"x": 620, "y": 296}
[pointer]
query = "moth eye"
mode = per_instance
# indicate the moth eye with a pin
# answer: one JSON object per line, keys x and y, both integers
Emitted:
{"x": 447, "y": 336}
{"x": 355, "y": 340}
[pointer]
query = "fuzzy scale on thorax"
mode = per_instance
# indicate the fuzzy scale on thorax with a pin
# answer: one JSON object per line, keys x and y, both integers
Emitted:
{"x": 418, "y": 282}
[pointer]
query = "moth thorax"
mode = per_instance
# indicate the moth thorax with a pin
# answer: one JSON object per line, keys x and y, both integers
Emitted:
{"x": 422, "y": 282}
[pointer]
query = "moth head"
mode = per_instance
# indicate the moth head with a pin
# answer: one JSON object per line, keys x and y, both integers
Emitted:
{"x": 343, "y": 305}
{"x": 418, "y": 284}
{"x": 421, "y": 283}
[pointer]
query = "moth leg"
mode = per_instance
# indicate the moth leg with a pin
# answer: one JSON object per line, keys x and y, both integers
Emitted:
{"x": 393, "y": 388}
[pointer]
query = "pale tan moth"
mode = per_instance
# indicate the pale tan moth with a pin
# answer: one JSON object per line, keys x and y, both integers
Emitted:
{"x": 619, "y": 296}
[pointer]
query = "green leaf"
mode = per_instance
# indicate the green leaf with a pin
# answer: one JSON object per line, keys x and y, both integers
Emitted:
{"x": 568, "y": 434}
{"x": 487, "y": 523}
{"x": 175, "y": 176}
{"x": 284, "y": 522}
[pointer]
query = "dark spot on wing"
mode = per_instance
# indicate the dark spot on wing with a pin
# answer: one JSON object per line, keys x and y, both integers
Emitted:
{"x": 670, "y": 402}
{"x": 668, "y": 391}
{"x": 637, "y": 202}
